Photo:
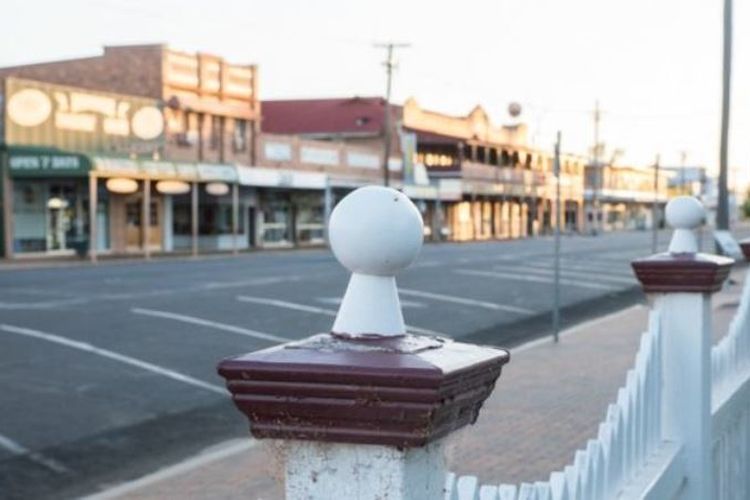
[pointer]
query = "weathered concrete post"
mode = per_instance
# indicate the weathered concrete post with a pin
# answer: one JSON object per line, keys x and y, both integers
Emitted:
{"x": 364, "y": 409}
{"x": 681, "y": 282}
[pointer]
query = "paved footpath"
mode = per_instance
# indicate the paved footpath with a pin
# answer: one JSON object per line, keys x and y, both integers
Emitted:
{"x": 548, "y": 402}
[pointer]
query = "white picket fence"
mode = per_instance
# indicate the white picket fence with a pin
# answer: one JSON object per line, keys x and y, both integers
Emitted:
{"x": 730, "y": 406}
{"x": 628, "y": 436}
{"x": 629, "y": 458}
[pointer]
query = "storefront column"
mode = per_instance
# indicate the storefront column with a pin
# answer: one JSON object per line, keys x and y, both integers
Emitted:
{"x": 194, "y": 217}
{"x": 93, "y": 203}
{"x": 7, "y": 216}
{"x": 7, "y": 209}
{"x": 235, "y": 215}
{"x": 146, "y": 218}
{"x": 327, "y": 206}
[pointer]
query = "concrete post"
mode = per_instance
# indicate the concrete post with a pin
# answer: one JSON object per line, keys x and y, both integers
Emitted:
{"x": 681, "y": 282}
{"x": 363, "y": 411}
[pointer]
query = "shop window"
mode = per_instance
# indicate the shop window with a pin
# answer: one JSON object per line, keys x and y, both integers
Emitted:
{"x": 48, "y": 216}
{"x": 493, "y": 156}
{"x": 214, "y": 216}
{"x": 215, "y": 137}
{"x": 527, "y": 163}
{"x": 239, "y": 138}
{"x": 504, "y": 159}
{"x": 481, "y": 156}
{"x": 515, "y": 159}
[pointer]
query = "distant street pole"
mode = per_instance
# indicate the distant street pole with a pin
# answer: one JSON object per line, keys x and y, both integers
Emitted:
{"x": 556, "y": 309}
{"x": 595, "y": 202}
{"x": 655, "y": 210}
{"x": 390, "y": 65}
{"x": 722, "y": 210}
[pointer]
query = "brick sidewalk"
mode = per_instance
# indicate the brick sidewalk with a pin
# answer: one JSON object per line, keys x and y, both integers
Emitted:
{"x": 548, "y": 403}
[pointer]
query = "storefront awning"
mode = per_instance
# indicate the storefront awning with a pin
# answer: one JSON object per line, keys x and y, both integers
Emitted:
{"x": 46, "y": 162}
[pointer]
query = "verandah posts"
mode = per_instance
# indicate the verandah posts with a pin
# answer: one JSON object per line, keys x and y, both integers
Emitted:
{"x": 680, "y": 283}
{"x": 362, "y": 411}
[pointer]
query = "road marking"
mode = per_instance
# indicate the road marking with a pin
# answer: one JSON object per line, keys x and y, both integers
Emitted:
{"x": 286, "y": 305}
{"x": 464, "y": 301}
{"x": 18, "y": 449}
{"x": 211, "y": 324}
{"x": 205, "y": 458}
{"x": 567, "y": 272}
{"x": 105, "y": 353}
{"x": 532, "y": 279}
{"x": 315, "y": 310}
{"x": 404, "y": 303}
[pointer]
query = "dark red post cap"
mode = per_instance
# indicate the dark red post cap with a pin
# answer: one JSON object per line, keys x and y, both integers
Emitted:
{"x": 682, "y": 272}
{"x": 745, "y": 246}
{"x": 402, "y": 391}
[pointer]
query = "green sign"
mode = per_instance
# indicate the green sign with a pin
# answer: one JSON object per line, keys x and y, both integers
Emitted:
{"x": 44, "y": 114}
{"x": 46, "y": 163}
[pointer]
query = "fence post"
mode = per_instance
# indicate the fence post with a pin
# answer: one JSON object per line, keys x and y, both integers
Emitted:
{"x": 362, "y": 411}
{"x": 681, "y": 282}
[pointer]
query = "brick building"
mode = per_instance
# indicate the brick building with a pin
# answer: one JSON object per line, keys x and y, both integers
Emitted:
{"x": 212, "y": 109}
{"x": 204, "y": 180}
{"x": 471, "y": 179}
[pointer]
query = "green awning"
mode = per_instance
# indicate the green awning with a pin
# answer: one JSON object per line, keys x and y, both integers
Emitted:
{"x": 46, "y": 162}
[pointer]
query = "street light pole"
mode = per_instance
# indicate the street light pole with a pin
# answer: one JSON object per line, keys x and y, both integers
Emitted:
{"x": 556, "y": 309}
{"x": 389, "y": 64}
{"x": 655, "y": 210}
{"x": 595, "y": 202}
{"x": 722, "y": 210}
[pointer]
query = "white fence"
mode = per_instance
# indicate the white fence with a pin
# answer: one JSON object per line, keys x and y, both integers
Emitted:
{"x": 638, "y": 451}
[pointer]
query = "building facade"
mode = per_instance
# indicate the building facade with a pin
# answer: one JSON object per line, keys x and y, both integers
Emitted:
{"x": 623, "y": 197}
{"x": 146, "y": 149}
{"x": 471, "y": 180}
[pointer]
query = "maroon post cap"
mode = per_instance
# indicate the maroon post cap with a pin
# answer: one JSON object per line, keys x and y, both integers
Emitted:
{"x": 745, "y": 246}
{"x": 682, "y": 268}
{"x": 402, "y": 391}
{"x": 682, "y": 272}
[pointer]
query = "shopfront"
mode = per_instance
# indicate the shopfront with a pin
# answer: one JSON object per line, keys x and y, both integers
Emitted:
{"x": 288, "y": 208}
{"x": 46, "y": 202}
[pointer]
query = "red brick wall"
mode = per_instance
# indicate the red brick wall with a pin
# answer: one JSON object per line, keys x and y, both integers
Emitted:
{"x": 128, "y": 70}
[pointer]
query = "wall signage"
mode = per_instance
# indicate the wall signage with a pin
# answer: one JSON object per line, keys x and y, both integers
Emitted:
{"x": 46, "y": 163}
{"x": 39, "y": 113}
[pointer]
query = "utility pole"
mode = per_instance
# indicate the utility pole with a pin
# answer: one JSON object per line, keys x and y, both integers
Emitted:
{"x": 655, "y": 210}
{"x": 722, "y": 210}
{"x": 390, "y": 65}
{"x": 556, "y": 309}
{"x": 595, "y": 202}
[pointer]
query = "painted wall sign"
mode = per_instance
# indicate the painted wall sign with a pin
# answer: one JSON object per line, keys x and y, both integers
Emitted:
{"x": 44, "y": 114}
{"x": 46, "y": 163}
{"x": 277, "y": 151}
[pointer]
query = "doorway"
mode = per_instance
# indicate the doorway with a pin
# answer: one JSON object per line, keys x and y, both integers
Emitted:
{"x": 133, "y": 224}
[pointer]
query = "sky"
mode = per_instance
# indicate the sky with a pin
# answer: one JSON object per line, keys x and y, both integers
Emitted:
{"x": 654, "y": 66}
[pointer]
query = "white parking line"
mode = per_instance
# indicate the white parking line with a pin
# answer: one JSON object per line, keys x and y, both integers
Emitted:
{"x": 315, "y": 310}
{"x": 211, "y": 324}
{"x": 464, "y": 301}
{"x": 532, "y": 279}
{"x": 565, "y": 272}
{"x": 105, "y": 353}
{"x": 18, "y": 449}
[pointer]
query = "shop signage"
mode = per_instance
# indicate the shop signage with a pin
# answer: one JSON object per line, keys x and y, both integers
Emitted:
{"x": 268, "y": 177}
{"x": 209, "y": 172}
{"x": 277, "y": 151}
{"x": 319, "y": 156}
{"x": 47, "y": 163}
{"x": 363, "y": 160}
{"x": 39, "y": 113}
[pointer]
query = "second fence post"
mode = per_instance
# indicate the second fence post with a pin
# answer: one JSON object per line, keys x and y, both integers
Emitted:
{"x": 680, "y": 283}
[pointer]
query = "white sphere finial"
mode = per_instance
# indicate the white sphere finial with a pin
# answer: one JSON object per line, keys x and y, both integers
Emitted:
{"x": 376, "y": 230}
{"x": 684, "y": 214}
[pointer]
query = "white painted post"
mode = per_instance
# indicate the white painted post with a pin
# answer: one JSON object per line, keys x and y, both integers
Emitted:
{"x": 682, "y": 281}
{"x": 363, "y": 411}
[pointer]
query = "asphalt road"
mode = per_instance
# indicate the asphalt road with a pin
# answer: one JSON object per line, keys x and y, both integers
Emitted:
{"x": 108, "y": 372}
